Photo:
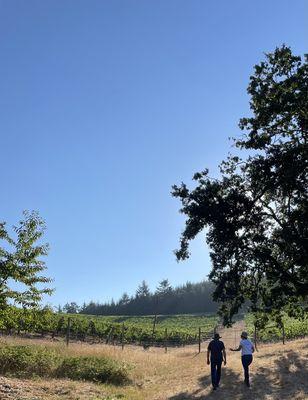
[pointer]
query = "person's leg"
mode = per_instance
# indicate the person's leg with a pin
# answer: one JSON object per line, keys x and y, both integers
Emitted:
{"x": 218, "y": 373}
{"x": 249, "y": 361}
{"x": 213, "y": 373}
{"x": 246, "y": 361}
{"x": 245, "y": 366}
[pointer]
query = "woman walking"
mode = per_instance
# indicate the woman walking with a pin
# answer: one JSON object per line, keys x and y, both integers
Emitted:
{"x": 247, "y": 349}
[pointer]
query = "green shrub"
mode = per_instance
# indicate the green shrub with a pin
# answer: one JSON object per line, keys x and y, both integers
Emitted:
{"x": 29, "y": 361}
{"x": 94, "y": 369}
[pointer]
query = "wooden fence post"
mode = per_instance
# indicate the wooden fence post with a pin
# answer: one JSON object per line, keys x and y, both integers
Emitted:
{"x": 166, "y": 341}
{"x": 154, "y": 329}
{"x": 283, "y": 334}
{"x": 109, "y": 335}
{"x": 255, "y": 337}
{"x": 199, "y": 339}
{"x": 154, "y": 324}
{"x": 68, "y": 331}
{"x": 122, "y": 336}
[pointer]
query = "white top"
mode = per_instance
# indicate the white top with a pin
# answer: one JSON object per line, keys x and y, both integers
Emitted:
{"x": 247, "y": 347}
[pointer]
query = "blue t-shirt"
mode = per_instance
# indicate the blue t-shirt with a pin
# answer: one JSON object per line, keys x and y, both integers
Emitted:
{"x": 216, "y": 347}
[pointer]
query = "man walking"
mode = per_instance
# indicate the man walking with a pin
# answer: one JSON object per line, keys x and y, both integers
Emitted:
{"x": 247, "y": 349}
{"x": 216, "y": 354}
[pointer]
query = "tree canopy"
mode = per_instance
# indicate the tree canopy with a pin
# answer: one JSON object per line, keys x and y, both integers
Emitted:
{"x": 21, "y": 263}
{"x": 184, "y": 299}
{"x": 71, "y": 308}
{"x": 143, "y": 290}
{"x": 255, "y": 217}
{"x": 164, "y": 288}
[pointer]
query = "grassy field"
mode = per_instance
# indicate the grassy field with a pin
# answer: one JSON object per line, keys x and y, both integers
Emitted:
{"x": 189, "y": 321}
{"x": 278, "y": 372}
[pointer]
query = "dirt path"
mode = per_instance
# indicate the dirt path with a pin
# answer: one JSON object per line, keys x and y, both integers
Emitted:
{"x": 232, "y": 336}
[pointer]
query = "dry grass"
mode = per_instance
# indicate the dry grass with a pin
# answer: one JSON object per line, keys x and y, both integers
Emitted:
{"x": 278, "y": 372}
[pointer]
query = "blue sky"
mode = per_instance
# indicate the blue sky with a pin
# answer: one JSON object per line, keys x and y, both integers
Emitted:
{"x": 104, "y": 105}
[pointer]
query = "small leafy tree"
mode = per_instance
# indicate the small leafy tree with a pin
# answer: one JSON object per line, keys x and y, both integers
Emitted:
{"x": 256, "y": 214}
{"x": 20, "y": 262}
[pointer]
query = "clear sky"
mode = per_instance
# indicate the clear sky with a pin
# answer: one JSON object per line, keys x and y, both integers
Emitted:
{"x": 104, "y": 105}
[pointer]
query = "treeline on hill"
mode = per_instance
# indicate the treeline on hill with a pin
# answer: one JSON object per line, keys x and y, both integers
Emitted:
{"x": 185, "y": 299}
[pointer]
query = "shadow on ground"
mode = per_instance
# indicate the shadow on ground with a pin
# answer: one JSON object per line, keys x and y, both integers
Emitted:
{"x": 288, "y": 379}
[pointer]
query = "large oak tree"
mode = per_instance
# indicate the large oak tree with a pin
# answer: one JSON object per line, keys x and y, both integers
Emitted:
{"x": 255, "y": 217}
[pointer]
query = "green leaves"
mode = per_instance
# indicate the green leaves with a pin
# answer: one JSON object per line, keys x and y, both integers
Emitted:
{"x": 256, "y": 214}
{"x": 279, "y": 95}
{"x": 20, "y": 261}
